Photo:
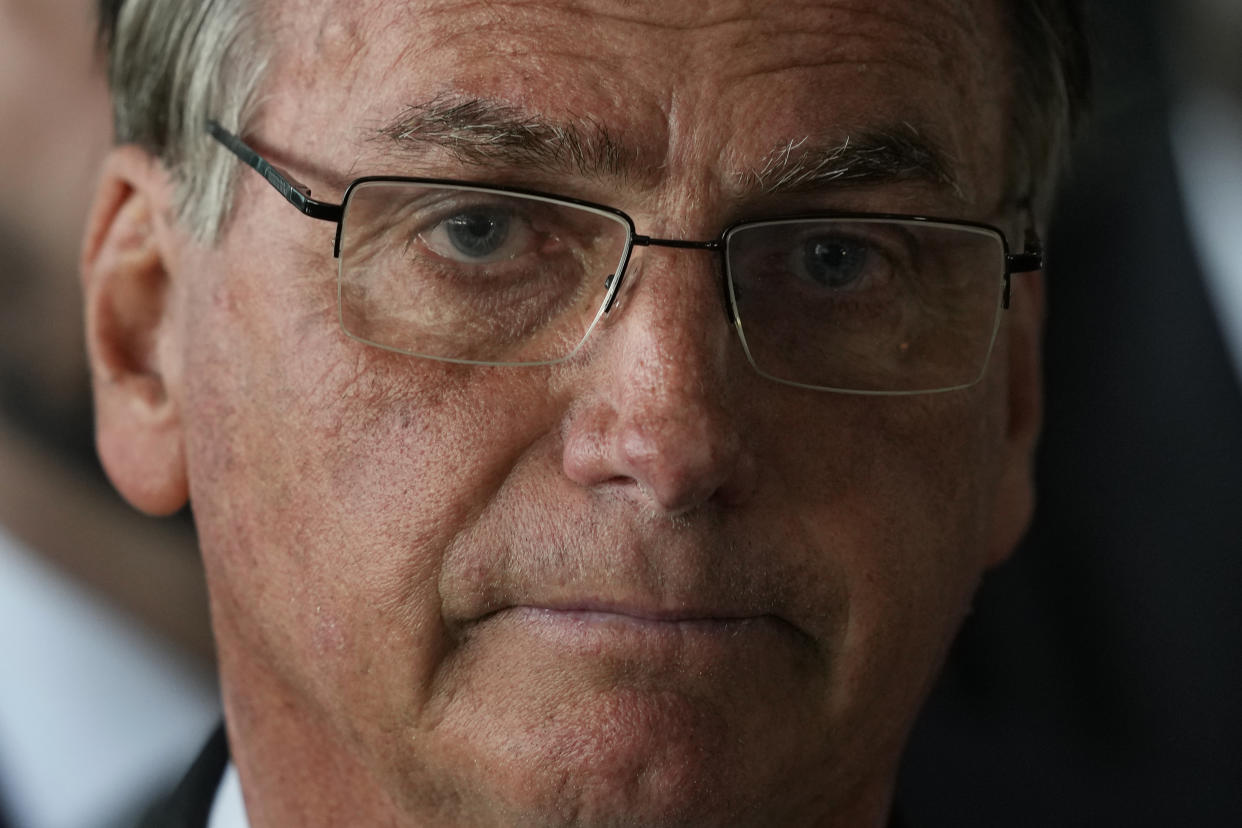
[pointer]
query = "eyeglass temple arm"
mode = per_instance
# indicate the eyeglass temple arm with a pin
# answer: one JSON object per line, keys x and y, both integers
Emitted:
{"x": 1031, "y": 258}
{"x": 294, "y": 192}
{"x": 1026, "y": 261}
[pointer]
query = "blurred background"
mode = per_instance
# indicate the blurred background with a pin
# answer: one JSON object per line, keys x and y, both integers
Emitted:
{"x": 1099, "y": 680}
{"x": 106, "y": 687}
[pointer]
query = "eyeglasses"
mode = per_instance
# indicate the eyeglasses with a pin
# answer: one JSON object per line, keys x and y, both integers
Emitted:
{"x": 471, "y": 273}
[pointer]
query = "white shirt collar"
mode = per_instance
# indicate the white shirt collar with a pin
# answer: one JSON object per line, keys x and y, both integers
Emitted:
{"x": 228, "y": 809}
{"x": 86, "y": 695}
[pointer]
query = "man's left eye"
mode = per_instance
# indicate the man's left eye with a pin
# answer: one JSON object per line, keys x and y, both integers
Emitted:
{"x": 835, "y": 262}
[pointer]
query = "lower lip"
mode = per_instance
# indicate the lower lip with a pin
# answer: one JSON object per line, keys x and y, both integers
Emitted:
{"x": 594, "y": 630}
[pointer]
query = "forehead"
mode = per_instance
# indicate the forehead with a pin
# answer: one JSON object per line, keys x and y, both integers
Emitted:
{"x": 679, "y": 86}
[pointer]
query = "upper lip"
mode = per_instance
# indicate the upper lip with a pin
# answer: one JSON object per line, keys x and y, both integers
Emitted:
{"x": 646, "y": 613}
{"x": 686, "y": 576}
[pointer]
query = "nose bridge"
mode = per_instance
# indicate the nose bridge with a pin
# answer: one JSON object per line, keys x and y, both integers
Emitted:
{"x": 669, "y": 303}
{"x": 674, "y": 431}
{"x": 705, "y": 257}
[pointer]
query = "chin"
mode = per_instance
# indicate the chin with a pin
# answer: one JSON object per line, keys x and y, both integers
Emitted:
{"x": 628, "y": 758}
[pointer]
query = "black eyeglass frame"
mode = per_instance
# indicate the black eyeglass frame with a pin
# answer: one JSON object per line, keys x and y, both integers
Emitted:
{"x": 1029, "y": 260}
{"x": 299, "y": 195}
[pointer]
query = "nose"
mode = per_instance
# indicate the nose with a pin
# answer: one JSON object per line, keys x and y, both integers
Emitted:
{"x": 654, "y": 416}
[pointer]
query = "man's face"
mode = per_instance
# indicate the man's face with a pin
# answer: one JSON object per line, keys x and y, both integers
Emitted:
{"x": 643, "y": 586}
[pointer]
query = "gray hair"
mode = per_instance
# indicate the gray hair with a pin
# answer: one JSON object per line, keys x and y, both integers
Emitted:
{"x": 172, "y": 65}
{"x": 175, "y": 63}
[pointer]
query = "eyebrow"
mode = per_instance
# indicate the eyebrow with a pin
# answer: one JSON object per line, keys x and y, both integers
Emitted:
{"x": 871, "y": 156}
{"x": 489, "y": 134}
{"x": 486, "y": 133}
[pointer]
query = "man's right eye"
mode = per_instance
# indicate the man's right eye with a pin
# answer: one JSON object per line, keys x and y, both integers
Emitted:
{"x": 480, "y": 236}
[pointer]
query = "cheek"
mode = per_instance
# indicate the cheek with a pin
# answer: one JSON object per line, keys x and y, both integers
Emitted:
{"x": 327, "y": 477}
{"x": 899, "y": 504}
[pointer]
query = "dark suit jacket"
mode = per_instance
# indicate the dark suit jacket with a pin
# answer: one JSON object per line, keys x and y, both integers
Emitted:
{"x": 189, "y": 805}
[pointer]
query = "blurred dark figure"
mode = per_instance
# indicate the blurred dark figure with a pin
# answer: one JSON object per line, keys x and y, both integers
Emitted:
{"x": 105, "y": 684}
{"x": 1099, "y": 681}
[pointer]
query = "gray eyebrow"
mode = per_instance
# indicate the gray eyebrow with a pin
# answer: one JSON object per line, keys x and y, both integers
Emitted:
{"x": 486, "y": 133}
{"x": 871, "y": 156}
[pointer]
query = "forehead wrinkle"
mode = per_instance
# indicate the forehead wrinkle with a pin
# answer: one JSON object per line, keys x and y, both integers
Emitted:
{"x": 953, "y": 13}
{"x": 926, "y": 27}
{"x": 916, "y": 44}
{"x": 501, "y": 13}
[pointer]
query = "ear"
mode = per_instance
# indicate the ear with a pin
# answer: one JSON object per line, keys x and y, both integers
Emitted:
{"x": 130, "y": 332}
{"x": 1015, "y": 497}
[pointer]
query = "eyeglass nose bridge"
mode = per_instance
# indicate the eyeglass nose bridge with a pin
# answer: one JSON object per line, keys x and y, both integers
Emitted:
{"x": 712, "y": 245}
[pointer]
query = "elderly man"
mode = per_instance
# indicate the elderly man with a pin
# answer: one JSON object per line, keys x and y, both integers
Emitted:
{"x": 604, "y": 435}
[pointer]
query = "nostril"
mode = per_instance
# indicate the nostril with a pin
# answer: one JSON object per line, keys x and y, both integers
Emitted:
{"x": 679, "y": 464}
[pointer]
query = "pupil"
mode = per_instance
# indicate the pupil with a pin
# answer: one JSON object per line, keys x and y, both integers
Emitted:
{"x": 835, "y": 263}
{"x": 478, "y": 234}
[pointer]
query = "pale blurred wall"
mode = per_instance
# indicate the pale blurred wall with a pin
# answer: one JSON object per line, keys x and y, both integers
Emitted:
{"x": 55, "y": 129}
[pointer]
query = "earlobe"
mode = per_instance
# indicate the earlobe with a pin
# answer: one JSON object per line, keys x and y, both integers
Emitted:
{"x": 1015, "y": 501}
{"x": 130, "y": 333}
